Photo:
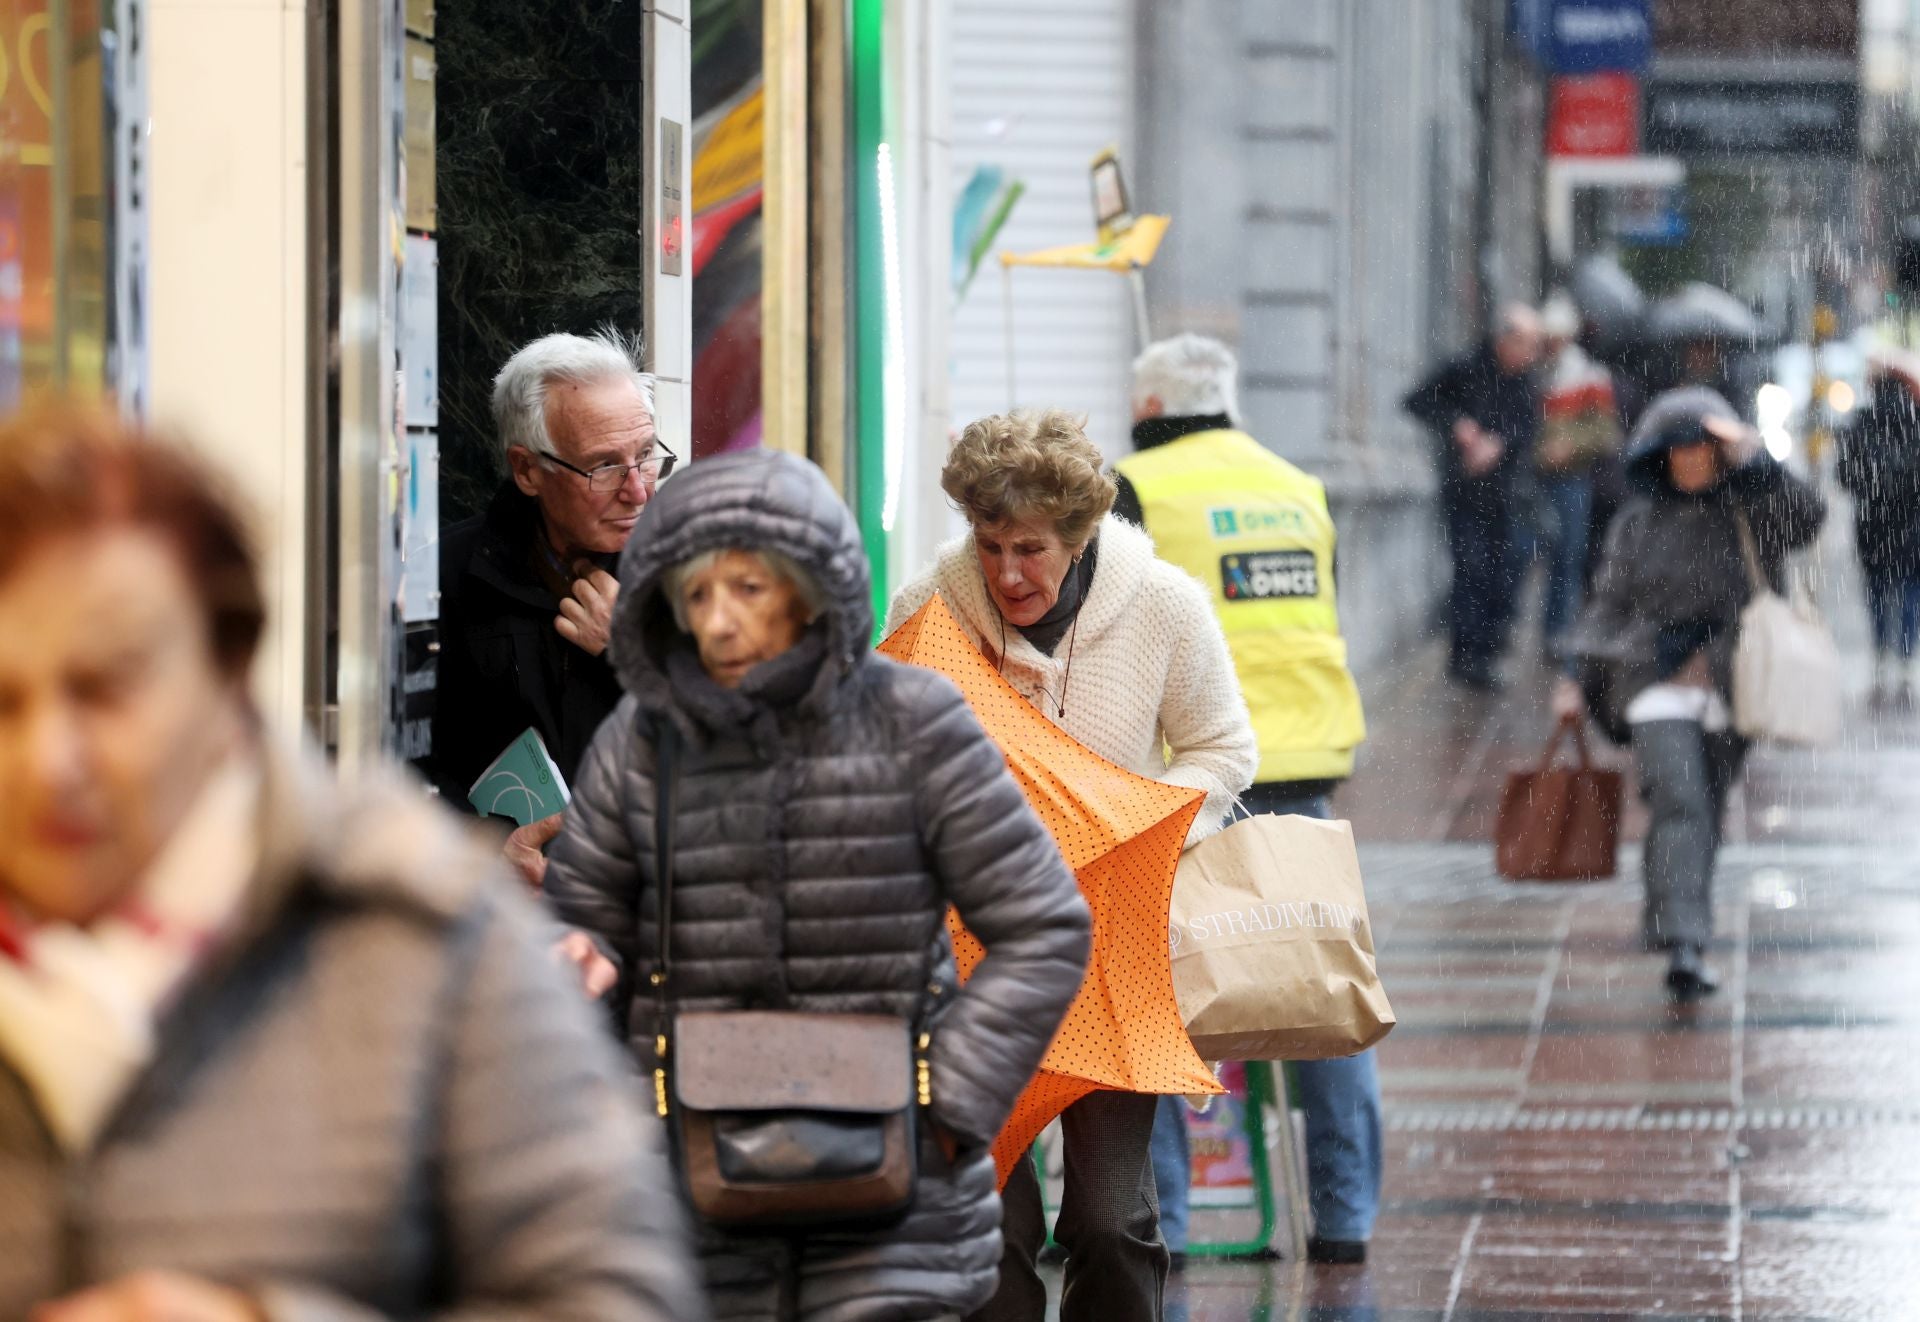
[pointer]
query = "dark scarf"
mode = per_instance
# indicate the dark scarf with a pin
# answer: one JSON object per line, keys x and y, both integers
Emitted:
{"x": 769, "y": 691}
{"x": 1046, "y": 632}
{"x": 557, "y": 572}
{"x": 1151, "y": 432}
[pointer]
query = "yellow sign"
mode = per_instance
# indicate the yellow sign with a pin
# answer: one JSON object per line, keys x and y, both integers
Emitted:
{"x": 728, "y": 162}
{"x": 1133, "y": 250}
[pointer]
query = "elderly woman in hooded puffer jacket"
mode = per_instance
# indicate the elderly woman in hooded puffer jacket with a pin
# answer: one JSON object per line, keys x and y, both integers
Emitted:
{"x": 1122, "y": 651}
{"x": 827, "y": 806}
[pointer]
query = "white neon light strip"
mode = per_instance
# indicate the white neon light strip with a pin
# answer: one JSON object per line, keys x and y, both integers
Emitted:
{"x": 893, "y": 351}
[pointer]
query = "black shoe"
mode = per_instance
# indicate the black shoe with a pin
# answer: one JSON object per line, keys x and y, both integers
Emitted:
{"x": 1337, "y": 1252}
{"x": 1688, "y": 976}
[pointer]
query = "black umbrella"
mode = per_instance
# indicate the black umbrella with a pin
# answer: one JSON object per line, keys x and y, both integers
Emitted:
{"x": 1610, "y": 302}
{"x": 1702, "y": 312}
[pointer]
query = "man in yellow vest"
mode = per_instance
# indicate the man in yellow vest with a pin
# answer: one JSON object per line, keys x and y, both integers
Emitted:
{"x": 1256, "y": 531}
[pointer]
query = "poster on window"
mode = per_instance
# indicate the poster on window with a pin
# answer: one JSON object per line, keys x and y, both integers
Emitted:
{"x": 1222, "y": 1154}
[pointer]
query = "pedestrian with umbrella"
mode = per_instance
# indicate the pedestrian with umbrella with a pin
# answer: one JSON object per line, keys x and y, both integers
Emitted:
{"x": 1693, "y": 329}
{"x": 1121, "y": 650}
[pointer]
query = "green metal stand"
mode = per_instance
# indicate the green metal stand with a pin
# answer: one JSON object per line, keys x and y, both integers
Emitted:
{"x": 1269, "y": 1088}
{"x": 1261, "y": 1094}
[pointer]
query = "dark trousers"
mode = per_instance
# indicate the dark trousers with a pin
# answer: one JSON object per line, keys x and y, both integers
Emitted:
{"x": 1109, "y": 1221}
{"x": 1685, "y": 777}
{"x": 1480, "y": 543}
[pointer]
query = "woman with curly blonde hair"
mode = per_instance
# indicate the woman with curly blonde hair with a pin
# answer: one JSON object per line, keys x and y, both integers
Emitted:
{"x": 1123, "y": 652}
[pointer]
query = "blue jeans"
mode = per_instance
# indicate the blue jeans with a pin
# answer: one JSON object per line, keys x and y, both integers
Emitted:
{"x": 1894, "y": 604}
{"x": 1569, "y": 500}
{"x": 1341, "y": 1099}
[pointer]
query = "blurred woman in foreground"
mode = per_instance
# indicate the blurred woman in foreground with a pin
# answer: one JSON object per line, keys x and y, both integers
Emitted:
{"x": 269, "y": 1048}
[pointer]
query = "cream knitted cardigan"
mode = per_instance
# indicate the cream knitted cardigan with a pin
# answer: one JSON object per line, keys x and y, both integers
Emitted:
{"x": 1150, "y": 671}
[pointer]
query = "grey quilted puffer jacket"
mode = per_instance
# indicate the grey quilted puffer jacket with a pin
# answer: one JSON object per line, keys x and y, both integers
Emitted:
{"x": 379, "y": 1100}
{"x": 830, "y": 810}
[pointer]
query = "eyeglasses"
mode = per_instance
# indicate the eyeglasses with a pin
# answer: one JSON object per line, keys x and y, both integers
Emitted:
{"x": 611, "y": 477}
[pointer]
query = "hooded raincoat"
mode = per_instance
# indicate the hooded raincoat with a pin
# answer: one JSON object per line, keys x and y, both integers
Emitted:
{"x": 830, "y": 809}
{"x": 1673, "y": 581}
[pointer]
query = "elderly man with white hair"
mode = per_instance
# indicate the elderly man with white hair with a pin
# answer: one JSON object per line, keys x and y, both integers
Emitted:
{"x": 1255, "y": 530}
{"x": 527, "y": 588}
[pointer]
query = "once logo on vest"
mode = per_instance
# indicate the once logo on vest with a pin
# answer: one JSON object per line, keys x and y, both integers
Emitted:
{"x": 1228, "y": 522}
{"x": 1266, "y": 575}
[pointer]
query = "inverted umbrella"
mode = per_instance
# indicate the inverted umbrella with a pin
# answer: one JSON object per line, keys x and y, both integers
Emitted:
{"x": 1122, "y": 835}
{"x": 1702, "y": 312}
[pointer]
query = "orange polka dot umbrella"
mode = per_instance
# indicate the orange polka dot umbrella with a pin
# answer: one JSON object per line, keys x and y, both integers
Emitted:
{"x": 1121, "y": 834}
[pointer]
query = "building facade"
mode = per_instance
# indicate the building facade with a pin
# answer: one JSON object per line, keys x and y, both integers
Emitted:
{"x": 1354, "y": 185}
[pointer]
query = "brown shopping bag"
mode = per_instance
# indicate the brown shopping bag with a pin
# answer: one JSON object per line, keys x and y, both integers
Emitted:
{"x": 1272, "y": 948}
{"x": 1559, "y": 823}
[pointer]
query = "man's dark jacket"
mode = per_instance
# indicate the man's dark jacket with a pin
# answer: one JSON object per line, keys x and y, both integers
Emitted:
{"x": 1473, "y": 386}
{"x": 1879, "y": 465}
{"x": 503, "y": 666}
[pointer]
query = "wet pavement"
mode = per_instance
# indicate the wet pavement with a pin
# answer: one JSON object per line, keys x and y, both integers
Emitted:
{"x": 1564, "y": 1142}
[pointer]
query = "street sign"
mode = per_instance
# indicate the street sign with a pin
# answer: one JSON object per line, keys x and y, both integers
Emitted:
{"x": 1600, "y": 36}
{"x": 1753, "y": 117}
{"x": 1650, "y": 217}
{"x": 1594, "y": 114}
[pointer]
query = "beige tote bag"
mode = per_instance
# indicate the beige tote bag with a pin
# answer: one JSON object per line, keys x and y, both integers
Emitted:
{"x": 1272, "y": 948}
{"x": 1786, "y": 668}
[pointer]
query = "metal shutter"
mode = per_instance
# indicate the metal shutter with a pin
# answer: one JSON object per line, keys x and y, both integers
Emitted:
{"x": 1038, "y": 88}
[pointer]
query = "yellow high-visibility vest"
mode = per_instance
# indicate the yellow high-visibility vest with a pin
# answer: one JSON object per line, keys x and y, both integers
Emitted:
{"x": 1255, "y": 530}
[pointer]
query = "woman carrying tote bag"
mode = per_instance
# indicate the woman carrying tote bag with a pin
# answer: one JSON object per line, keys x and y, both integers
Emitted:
{"x": 1656, "y": 646}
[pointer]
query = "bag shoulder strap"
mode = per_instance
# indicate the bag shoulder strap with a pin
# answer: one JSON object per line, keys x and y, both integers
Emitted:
{"x": 1750, "y": 553}
{"x": 666, "y": 773}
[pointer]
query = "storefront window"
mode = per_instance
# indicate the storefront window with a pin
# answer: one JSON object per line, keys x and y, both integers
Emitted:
{"x": 54, "y": 198}
{"x": 729, "y": 191}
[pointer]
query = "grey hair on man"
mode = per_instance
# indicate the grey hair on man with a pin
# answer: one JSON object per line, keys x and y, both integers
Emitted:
{"x": 520, "y": 390}
{"x": 674, "y": 581}
{"x": 1189, "y": 375}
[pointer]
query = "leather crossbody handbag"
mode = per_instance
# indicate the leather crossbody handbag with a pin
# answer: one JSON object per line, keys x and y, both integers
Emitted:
{"x": 782, "y": 1117}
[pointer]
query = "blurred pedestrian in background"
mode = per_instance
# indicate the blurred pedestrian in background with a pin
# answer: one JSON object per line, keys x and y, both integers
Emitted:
{"x": 269, "y": 1048}
{"x": 1656, "y": 644}
{"x": 1122, "y": 651}
{"x": 829, "y": 805}
{"x": 1484, "y": 411}
{"x": 1879, "y": 466}
{"x": 1579, "y": 432}
{"x": 527, "y": 588}
{"x": 1256, "y": 532}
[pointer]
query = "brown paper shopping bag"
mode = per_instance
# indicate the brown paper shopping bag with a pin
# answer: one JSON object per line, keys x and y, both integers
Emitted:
{"x": 1272, "y": 948}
